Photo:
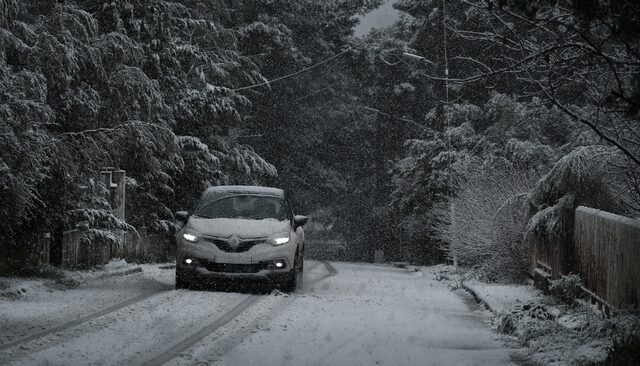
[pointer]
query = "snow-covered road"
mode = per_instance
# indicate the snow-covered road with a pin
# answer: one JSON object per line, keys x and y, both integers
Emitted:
{"x": 345, "y": 314}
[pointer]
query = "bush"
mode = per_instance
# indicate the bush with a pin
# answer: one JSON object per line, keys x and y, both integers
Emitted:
{"x": 486, "y": 221}
{"x": 566, "y": 288}
{"x": 624, "y": 352}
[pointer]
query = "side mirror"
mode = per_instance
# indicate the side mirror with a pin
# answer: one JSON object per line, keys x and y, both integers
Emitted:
{"x": 299, "y": 220}
{"x": 182, "y": 216}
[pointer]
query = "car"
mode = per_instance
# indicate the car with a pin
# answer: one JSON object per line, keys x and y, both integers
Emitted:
{"x": 241, "y": 233}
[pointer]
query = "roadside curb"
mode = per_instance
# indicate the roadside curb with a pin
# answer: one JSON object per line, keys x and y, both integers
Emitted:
{"x": 477, "y": 297}
{"x": 470, "y": 290}
{"x": 120, "y": 273}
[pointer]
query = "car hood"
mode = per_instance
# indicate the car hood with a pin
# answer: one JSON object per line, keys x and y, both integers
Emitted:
{"x": 242, "y": 227}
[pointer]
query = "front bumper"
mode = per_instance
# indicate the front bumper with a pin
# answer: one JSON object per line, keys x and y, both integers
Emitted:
{"x": 210, "y": 263}
{"x": 200, "y": 273}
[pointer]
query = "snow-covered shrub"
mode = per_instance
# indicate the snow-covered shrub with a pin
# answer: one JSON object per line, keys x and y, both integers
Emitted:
{"x": 511, "y": 320}
{"x": 486, "y": 221}
{"x": 566, "y": 288}
{"x": 618, "y": 327}
{"x": 553, "y": 225}
{"x": 505, "y": 323}
{"x": 624, "y": 352}
{"x": 584, "y": 173}
{"x": 621, "y": 334}
{"x": 509, "y": 259}
{"x": 585, "y": 340}
{"x": 581, "y": 177}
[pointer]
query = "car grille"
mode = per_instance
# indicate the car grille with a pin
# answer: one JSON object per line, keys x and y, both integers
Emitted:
{"x": 234, "y": 268}
{"x": 244, "y": 245}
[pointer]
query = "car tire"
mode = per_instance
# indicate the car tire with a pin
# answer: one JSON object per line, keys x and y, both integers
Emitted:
{"x": 291, "y": 283}
{"x": 301, "y": 269}
{"x": 181, "y": 282}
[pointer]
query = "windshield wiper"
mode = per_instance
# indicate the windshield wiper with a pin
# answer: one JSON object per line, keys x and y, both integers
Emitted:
{"x": 203, "y": 216}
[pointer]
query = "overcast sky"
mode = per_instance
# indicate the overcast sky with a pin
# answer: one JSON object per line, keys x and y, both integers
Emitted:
{"x": 384, "y": 16}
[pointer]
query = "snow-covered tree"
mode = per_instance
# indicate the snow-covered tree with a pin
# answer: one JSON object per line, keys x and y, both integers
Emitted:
{"x": 93, "y": 83}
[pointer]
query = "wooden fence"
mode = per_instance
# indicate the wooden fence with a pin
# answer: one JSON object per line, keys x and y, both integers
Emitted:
{"x": 145, "y": 247}
{"x": 607, "y": 250}
{"x": 71, "y": 251}
{"x": 137, "y": 247}
{"x": 25, "y": 256}
{"x": 604, "y": 249}
{"x": 77, "y": 253}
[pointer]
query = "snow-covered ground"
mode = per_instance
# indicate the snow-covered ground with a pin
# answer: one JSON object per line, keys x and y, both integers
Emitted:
{"x": 345, "y": 314}
{"x": 553, "y": 333}
{"x": 500, "y": 296}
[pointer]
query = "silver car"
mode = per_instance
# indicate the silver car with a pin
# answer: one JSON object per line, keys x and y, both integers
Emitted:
{"x": 241, "y": 233}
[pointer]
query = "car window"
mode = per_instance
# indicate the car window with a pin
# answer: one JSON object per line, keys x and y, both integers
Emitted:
{"x": 287, "y": 208}
{"x": 244, "y": 207}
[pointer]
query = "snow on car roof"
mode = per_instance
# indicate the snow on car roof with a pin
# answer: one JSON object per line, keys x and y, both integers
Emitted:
{"x": 245, "y": 189}
{"x": 218, "y": 192}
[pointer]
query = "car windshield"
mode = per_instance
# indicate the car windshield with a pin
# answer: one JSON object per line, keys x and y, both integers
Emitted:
{"x": 250, "y": 207}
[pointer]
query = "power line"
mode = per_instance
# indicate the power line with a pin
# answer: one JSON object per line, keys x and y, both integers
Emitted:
{"x": 293, "y": 73}
{"x": 311, "y": 94}
{"x": 367, "y": 108}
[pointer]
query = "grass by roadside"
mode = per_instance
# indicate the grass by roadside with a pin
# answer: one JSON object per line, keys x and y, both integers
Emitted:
{"x": 553, "y": 332}
{"x": 48, "y": 278}
{"x": 36, "y": 279}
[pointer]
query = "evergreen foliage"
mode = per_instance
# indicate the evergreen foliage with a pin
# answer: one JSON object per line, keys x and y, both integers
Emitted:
{"x": 145, "y": 86}
{"x": 185, "y": 94}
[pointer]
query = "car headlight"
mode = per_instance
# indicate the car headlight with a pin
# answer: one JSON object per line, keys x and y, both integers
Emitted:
{"x": 190, "y": 237}
{"x": 280, "y": 239}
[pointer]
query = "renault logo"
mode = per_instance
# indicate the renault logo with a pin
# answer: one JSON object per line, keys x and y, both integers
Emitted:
{"x": 234, "y": 242}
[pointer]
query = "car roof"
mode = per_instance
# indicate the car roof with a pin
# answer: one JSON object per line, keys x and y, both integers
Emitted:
{"x": 222, "y": 191}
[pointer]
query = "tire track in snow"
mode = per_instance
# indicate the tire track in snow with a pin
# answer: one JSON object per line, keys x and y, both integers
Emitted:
{"x": 311, "y": 267}
{"x": 196, "y": 337}
{"x": 331, "y": 272}
{"x": 234, "y": 340}
{"x": 73, "y": 323}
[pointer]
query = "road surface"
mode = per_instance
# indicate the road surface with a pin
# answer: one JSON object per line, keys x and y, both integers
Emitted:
{"x": 344, "y": 314}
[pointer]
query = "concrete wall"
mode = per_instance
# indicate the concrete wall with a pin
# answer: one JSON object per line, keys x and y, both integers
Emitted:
{"x": 607, "y": 250}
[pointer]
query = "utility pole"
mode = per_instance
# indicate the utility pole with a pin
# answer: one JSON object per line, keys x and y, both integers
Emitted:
{"x": 443, "y": 69}
{"x": 445, "y": 53}
{"x": 442, "y": 91}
